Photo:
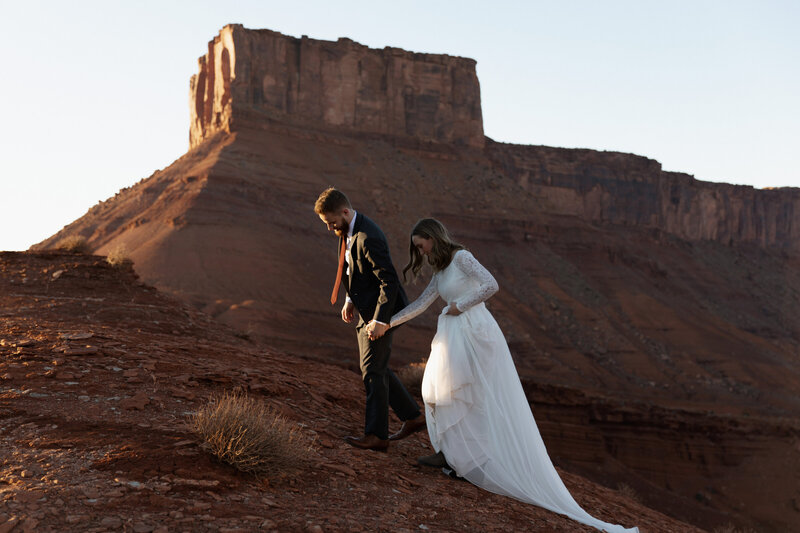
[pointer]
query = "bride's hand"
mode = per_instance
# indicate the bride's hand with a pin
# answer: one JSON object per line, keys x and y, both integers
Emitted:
{"x": 376, "y": 330}
{"x": 452, "y": 310}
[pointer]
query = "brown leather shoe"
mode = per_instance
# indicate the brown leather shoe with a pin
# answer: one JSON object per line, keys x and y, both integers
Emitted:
{"x": 436, "y": 460}
{"x": 368, "y": 442}
{"x": 410, "y": 426}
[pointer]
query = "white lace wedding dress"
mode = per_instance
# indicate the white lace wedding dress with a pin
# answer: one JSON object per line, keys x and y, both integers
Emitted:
{"x": 476, "y": 410}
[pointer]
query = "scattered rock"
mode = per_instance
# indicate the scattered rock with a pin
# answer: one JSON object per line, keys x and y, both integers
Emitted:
{"x": 111, "y": 522}
{"x": 82, "y": 350}
{"x": 180, "y": 393}
{"x": 138, "y": 401}
{"x": 75, "y": 336}
{"x": 341, "y": 468}
{"x": 29, "y": 525}
{"x": 10, "y": 524}
{"x": 196, "y": 482}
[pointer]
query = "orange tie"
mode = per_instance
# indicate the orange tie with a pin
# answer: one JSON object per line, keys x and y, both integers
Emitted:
{"x": 335, "y": 293}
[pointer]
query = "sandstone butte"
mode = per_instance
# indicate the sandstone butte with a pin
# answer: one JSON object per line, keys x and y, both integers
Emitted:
{"x": 652, "y": 316}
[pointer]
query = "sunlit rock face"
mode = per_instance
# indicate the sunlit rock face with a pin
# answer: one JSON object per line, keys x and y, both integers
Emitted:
{"x": 258, "y": 74}
{"x": 624, "y": 188}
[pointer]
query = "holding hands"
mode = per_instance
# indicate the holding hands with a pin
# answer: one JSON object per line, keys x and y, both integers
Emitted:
{"x": 376, "y": 330}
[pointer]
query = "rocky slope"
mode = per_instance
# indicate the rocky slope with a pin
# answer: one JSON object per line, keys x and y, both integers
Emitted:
{"x": 655, "y": 313}
{"x": 98, "y": 374}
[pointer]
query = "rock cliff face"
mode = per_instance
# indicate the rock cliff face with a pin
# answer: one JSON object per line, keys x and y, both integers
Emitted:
{"x": 341, "y": 84}
{"x": 251, "y": 76}
{"x": 627, "y": 189}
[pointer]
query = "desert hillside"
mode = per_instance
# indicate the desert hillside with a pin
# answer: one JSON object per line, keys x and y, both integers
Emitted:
{"x": 99, "y": 373}
{"x": 652, "y": 316}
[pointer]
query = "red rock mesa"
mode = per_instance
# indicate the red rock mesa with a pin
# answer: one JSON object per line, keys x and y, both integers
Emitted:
{"x": 263, "y": 75}
{"x": 652, "y": 317}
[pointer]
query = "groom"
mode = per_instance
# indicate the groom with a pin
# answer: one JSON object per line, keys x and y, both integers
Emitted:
{"x": 373, "y": 289}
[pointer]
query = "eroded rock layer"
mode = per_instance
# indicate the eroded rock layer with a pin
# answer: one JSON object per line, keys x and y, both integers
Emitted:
{"x": 342, "y": 84}
{"x": 629, "y": 189}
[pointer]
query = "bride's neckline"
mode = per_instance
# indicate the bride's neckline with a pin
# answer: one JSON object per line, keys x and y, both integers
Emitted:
{"x": 452, "y": 257}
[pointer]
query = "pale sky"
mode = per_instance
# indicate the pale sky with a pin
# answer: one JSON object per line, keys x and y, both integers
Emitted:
{"x": 95, "y": 93}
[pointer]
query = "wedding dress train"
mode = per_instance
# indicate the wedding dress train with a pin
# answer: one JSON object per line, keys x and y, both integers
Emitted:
{"x": 476, "y": 410}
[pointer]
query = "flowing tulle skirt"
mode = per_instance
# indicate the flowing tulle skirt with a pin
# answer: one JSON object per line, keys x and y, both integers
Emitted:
{"x": 479, "y": 417}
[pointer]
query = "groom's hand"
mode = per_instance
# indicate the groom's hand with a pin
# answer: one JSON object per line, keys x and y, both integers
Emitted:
{"x": 348, "y": 312}
{"x": 376, "y": 330}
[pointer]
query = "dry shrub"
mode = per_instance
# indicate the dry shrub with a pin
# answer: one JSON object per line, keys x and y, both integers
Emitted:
{"x": 411, "y": 377}
{"x": 249, "y": 435}
{"x": 628, "y": 492}
{"x": 118, "y": 257}
{"x": 74, "y": 243}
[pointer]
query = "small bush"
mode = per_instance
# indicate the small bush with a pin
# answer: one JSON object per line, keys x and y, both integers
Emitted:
{"x": 249, "y": 435}
{"x": 74, "y": 243}
{"x": 411, "y": 377}
{"x": 118, "y": 257}
{"x": 628, "y": 491}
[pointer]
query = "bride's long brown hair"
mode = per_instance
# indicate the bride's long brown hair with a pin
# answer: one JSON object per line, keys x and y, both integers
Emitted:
{"x": 441, "y": 252}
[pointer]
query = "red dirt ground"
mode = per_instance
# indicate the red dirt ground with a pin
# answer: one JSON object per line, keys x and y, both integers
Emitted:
{"x": 99, "y": 374}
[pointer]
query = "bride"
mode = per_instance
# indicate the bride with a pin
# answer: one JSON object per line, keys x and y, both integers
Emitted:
{"x": 478, "y": 418}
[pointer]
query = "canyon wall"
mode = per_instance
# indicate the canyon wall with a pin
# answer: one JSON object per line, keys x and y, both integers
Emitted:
{"x": 628, "y": 189}
{"x": 343, "y": 84}
{"x": 250, "y": 77}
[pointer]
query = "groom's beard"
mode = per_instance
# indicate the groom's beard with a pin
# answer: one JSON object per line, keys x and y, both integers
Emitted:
{"x": 340, "y": 229}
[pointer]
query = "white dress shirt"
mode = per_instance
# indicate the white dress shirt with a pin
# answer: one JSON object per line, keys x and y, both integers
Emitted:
{"x": 348, "y": 242}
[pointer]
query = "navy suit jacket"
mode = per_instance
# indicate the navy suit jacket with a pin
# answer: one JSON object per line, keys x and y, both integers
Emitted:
{"x": 373, "y": 284}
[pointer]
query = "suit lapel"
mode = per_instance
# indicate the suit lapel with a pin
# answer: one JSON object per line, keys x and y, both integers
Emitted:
{"x": 353, "y": 246}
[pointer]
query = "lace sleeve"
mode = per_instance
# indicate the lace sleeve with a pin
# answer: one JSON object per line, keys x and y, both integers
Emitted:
{"x": 465, "y": 261}
{"x": 418, "y": 306}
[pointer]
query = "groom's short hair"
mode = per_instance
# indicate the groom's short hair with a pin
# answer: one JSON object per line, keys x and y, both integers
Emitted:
{"x": 330, "y": 201}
